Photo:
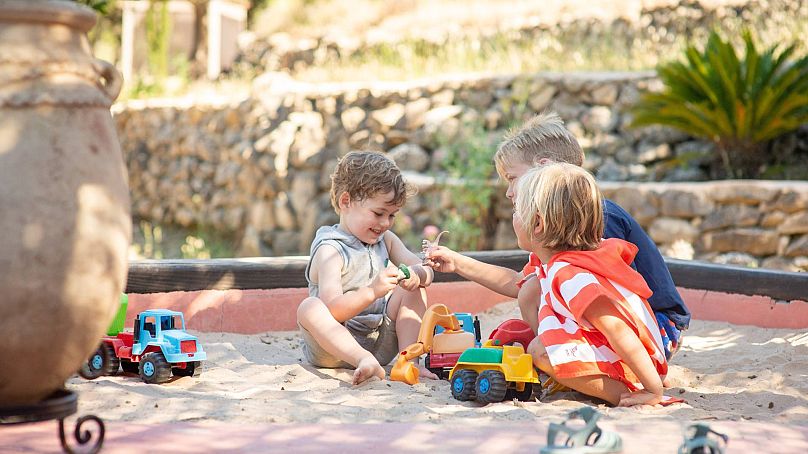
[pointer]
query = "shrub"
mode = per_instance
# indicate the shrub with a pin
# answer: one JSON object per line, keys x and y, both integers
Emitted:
{"x": 468, "y": 160}
{"x": 739, "y": 103}
{"x": 102, "y": 6}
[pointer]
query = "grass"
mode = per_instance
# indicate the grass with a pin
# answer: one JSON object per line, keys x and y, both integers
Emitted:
{"x": 153, "y": 241}
{"x": 580, "y": 45}
{"x": 575, "y": 49}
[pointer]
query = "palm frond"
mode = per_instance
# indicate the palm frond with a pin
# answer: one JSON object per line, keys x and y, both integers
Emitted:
{"x": 735, "y": 100}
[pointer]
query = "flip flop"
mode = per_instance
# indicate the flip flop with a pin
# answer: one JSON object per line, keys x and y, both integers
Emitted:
{"x": 589, "y": 439}
{"x": 701, "y": 443}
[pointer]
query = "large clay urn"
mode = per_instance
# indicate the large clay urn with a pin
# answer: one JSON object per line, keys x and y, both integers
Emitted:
{"x": 64, "y": 199}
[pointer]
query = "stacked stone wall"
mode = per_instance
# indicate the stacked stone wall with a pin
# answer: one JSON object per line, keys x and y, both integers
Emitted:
{"x": 258, "y": 168}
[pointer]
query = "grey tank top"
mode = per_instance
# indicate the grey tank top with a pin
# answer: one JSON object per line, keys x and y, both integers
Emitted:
{"x": 361, "y": 263}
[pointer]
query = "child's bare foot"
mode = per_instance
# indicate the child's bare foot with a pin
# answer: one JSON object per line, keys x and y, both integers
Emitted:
{"x": 423, "y": 372}
{"x": 367, "y": 368}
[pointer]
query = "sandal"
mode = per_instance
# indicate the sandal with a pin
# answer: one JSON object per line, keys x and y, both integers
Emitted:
{"x": 587, "y": 439}
{"x": 701, "y": 443}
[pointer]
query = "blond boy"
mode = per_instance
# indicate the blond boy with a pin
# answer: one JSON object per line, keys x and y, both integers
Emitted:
{"x": 544, "y": 139}
{"x": 360, "y": 312}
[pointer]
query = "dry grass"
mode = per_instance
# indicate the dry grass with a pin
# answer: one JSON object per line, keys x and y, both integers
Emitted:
{"x": 409, "y": 39}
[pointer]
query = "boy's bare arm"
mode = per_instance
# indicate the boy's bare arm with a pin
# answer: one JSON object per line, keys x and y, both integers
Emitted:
{"x": 326, "y": 269}
{"x": 603, "y": 315}
{"x": 497, "y": 278}
{"x": 422, "y": 276}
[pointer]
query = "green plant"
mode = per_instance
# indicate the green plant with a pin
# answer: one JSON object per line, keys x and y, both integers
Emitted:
{"x": 158, "y": 33}
{"x": 738, "y": 102}
{"x": 102, "y": 6}
{"x": 148, "y": 241}
{"x": 152, "y": 241}
{"x": 195, "y": 248}
{"x": 468, "y": 160}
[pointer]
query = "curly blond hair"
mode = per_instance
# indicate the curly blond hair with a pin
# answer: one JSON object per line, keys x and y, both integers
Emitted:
{"x": 543, "y": 136}
{"x": 569, "y": 204}
{"x": 363, "y": 174}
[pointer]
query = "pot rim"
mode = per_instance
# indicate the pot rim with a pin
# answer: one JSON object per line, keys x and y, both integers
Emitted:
{"x": 49, "y": 11}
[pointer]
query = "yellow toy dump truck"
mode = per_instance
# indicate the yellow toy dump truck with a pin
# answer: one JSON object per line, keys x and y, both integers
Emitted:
{"x": 493, "y": 373}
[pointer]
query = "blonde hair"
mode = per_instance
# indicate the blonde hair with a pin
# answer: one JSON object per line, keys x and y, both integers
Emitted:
{"x": 569, "y": 204}
{"x": 543, "y": 136}
{"x": 363, "y": 174}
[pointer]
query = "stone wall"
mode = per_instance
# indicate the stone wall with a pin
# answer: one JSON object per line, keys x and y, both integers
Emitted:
{"x": 740, "y": 222}
{"x": 259, "y": 167}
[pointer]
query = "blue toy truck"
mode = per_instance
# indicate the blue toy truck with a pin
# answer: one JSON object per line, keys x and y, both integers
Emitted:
{"x": 158, "y": 347}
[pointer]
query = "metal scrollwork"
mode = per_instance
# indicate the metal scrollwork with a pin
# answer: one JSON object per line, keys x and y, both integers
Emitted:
{"x": 59, "y": 405}
{"x": 83, "y": 437}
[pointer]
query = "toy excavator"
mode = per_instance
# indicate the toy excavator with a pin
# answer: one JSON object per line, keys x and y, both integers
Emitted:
{"x": 452, "y": 341}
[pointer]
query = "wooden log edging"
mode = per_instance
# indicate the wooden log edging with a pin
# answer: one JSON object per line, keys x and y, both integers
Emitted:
{"x": 156, "y": 276}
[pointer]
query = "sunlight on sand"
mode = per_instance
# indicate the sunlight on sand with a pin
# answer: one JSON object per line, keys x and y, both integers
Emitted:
{"x": 716, "y": 340}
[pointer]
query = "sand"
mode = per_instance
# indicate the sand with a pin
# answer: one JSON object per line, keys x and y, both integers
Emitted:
{"x": 724, "y": 372}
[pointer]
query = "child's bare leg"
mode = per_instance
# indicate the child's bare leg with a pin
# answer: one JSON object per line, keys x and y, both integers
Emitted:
{"x": 407, "y": 309}
{"x": 314, "y": 316}
{"x": 604, "y": 388}
{"x": 528, "y": 299}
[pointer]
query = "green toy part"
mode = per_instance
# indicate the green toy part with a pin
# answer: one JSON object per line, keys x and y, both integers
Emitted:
{"x": 120, "y": 317}
{"x": 403, "y": 268}
{"x": 481, "y": 356}
{"x": 406, "y": 270}
{"x": 701, "y": 442}
{"x": 585, "y": 440}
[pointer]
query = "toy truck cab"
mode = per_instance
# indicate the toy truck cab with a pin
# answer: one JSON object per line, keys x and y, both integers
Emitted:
{"x": 161, "y": 345}
{"x": 165, "y": 329}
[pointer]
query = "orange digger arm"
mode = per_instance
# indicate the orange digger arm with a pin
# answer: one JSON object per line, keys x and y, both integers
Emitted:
{"x": 436, "y": 315}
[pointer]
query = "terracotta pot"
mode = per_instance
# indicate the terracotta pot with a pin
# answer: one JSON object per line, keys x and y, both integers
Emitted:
{"x": 64, "y": 200}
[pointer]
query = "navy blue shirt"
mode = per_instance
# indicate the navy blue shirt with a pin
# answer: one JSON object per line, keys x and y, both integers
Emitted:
{"x": 648, "y": 262}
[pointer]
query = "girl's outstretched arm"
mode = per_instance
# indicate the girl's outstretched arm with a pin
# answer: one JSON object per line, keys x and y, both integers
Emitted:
{"x": 603, "y": 315}
{"x": 497, "y": 278}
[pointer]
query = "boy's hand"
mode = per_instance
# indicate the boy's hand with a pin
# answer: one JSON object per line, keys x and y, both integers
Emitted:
{"x": 386, "y": 281}
{"x": 442, "y": 259}
{"x": 410, "y": 284}
{"x": 640, "y": 397}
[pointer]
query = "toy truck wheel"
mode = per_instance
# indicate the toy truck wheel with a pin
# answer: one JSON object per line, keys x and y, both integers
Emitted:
{"x": 191, "y": 369}
{"x": 102, "y": 362}
{"x": 525, "y": 396}
{"x": 154, "y": 368}
{"x": 491, "y": 386}
{"x": 93, "y": 367}
{"x": 112, "y": 363}
{"x": 463, "y": 383}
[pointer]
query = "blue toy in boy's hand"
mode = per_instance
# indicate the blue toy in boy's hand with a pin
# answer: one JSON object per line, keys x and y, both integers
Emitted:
{"x": 670, "y": 334}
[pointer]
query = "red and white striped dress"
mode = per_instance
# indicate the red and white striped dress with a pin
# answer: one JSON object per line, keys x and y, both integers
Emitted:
{"x": 570, "y": 282}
